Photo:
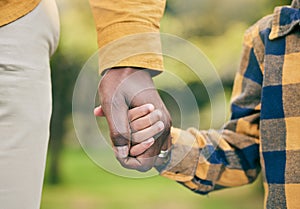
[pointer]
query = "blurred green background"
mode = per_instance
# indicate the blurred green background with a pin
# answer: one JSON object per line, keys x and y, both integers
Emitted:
{"x": 72, "y": 180}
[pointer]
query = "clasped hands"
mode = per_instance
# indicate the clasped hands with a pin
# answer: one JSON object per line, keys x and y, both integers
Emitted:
{"x": 139, "y": 123}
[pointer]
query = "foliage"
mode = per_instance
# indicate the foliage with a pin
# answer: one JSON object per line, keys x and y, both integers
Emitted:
{"x": 86, "y": 186}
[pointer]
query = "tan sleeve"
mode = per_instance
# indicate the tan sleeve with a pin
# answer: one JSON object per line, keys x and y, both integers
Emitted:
{"x": 128, "y": 33}
{"x": 11, "y": 10}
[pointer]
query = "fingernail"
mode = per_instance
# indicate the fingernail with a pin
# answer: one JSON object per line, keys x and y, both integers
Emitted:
{"x": 151, "y": 107}
{"x": 148, "y": 141}
{"x": 160, "y": 125}
{"x": 96, "y": 111}
{"x": 121, "y": 152}
{"x": 159, "y": 113}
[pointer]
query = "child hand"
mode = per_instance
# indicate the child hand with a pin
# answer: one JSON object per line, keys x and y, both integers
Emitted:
{"x": 145, "y": 124}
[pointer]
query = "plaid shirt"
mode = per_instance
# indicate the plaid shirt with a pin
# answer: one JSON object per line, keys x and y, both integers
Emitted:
{"x": 264, "y": 130}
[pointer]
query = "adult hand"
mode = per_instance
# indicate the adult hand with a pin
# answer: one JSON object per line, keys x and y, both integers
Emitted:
{"x": 120, "y": 90}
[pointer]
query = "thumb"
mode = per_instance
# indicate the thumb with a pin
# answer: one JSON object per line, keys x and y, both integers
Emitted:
{"x": 117, "y": 118}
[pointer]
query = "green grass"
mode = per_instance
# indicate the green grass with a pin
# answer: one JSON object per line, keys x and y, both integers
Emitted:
{"x": 86, "y": 186}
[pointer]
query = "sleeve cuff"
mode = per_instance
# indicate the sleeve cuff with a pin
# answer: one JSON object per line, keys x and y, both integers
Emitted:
{"x": 184, "y": 157}
{"x": 129, "y": 45}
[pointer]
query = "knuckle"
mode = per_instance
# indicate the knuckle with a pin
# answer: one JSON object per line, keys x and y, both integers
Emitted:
{"x": 134, "y": 127}
{"x": 119, "y": 139}
{"x": 155, "y": 116}
{"x": 135, "y": 138}
{"x": 144, "y": 168}
{"x": 145, "y": 164}
{"x": 124, "y": 164}
{"x": 115, "y": 135}
{"x": 106, "y": 100}
{"x": 159, "y": 126}
{"x": 113, "y": 100}
{"x": 144, "y": 110}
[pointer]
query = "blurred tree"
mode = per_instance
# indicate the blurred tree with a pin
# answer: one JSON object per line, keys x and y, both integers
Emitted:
{"x": 77, "y": 43}
{"x": 64, "y": 74}
{"x": 210, "y": 18}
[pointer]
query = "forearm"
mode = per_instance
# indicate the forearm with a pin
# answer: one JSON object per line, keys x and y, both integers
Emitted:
{"x": 207, "y": 160}
{"x": 128, "y": 33}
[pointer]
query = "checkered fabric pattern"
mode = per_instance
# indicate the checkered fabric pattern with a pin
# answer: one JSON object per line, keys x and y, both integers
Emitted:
{"x": 264, "y": 130}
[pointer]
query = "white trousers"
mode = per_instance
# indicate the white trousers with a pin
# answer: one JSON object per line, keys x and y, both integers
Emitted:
{"x": 25, "y": 104}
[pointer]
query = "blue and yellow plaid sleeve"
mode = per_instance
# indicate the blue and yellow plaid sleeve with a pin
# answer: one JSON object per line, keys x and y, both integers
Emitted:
{"x": 208, "y": 160}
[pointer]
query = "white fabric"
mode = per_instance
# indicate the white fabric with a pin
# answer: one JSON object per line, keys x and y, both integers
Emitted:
{"x": 25, "y": 104}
